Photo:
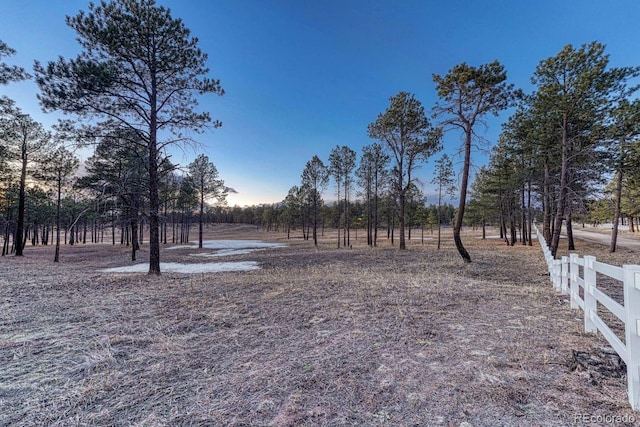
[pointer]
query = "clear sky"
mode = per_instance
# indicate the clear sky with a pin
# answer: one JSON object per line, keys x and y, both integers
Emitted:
{"x": 303, "y": 76}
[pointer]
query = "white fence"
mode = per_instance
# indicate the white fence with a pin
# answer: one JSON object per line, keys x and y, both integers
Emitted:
{"x": 566, "y": 278}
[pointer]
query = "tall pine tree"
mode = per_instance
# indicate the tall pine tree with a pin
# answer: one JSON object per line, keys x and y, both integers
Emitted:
{"x": 139, "y": 69}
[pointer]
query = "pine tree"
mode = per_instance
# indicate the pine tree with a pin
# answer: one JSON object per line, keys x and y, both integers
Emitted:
{"x": 409, "y": 138}
{"x": 140, "y": 69}
{"x": 467, "y": 94}
{"x": 204, "y": 176}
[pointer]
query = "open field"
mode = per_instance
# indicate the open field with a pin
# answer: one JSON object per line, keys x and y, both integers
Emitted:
{"x": 327, "y": 337}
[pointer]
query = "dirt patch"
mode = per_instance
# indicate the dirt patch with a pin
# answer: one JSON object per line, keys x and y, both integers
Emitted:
{"x": 314, "y": 337}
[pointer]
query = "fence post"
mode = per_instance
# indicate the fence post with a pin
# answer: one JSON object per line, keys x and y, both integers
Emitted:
{"x": 574, "y": 270}
{"x": 557, "y": 274}
{"x": 631, "y": 332}
{"x": 549, "y": 259}
{"x": 590, "y": 302}
{"x": 564, "y": 275}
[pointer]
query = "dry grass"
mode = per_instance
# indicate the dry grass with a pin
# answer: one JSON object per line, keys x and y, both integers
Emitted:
{"x": 316, "y": 337}
{"x": 613, "y": 288}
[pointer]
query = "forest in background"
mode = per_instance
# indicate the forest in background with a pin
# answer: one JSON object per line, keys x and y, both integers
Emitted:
{"x": 569, "y": 152}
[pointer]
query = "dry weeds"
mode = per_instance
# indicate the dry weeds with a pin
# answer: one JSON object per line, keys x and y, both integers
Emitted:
{"x": 327, "y": 337}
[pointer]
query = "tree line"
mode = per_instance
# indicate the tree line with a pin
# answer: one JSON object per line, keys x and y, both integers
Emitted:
{"x": 132, "y": 93}
{"x": 384, "y": 177}
{"x": 406, "y": 138}
{"x": 45, "y": 201}
{"x": 570, "y": 151}
{"x": 132, "y": 88}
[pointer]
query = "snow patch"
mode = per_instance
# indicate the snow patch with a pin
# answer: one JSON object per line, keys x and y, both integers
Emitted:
{"x": 175, "y": 267}
{"x": 231, "y": 244}
{"x": 227, "y": 252}
{"x": 221, "y": 247}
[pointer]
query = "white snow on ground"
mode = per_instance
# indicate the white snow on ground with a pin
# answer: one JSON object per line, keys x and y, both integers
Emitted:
{"x": 175, "y": 267}
{"x": 230, "y": 244}
{"x": 221, "y": 247}
{"x": 227, "y": 252}
{"x": 229, "y": 247}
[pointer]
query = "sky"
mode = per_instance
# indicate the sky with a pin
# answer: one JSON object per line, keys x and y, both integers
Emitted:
{"x": 302, "y": 77}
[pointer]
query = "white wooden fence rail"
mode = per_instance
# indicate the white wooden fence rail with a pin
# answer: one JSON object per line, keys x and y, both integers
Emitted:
{"x": 565, "y": 277}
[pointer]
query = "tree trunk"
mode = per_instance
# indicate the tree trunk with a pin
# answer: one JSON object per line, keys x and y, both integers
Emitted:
{"x": 375, "y": 210}
{"x": 571, "y": 243}
{"x": 561, "y": 202}
{"x": 457, "y": 223}
{"x": 56, "y": 258}
{"x": 113, "y": 227}
{"x": 393, "y": 243}
{"x": 369, "y": 216}
{"x": 338, "y": 227}
{"x": 546, "y": 203}
{"x": 523, "y": 231}
{"x": 34, "y": 235}
{"x": 512, "y": 225}
{"x": 154, "y": 181}
{"x": 18, "y": 241}
{"x": 134, "y": 237}
{"x": 164, "y": 223}
{"x": 529, "y": 216}
{"x": 401, "y": 218}
{"x": 201, "y": 215}
{"x": 616, "y": 213}
{"x": 173, "y": 224}
{"x": 154, "y": 236}
{"x": 347, "y": 231}
{"x": 439, "y": 212}
{"x": 315, "y": 218}
{"x": 7, "y": 232}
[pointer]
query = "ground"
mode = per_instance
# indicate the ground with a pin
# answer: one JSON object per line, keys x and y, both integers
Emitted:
{"x": 625, "y": 239}
{"x": 320, "y": 337}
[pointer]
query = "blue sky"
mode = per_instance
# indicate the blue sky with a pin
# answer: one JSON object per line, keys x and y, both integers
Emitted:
{"x": 303, "y": 76}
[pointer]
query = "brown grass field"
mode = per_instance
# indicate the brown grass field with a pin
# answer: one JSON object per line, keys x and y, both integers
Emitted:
{"x": 327, "y": 337}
